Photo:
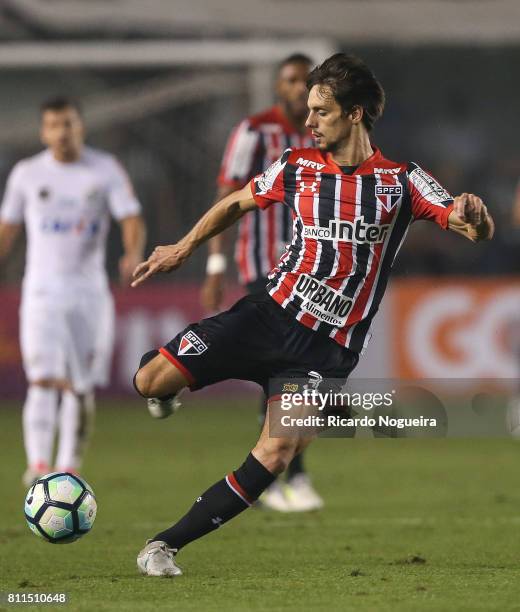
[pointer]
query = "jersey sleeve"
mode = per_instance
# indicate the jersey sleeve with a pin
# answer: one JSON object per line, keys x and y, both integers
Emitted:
{"x": 122, "y": 200}
{"x": 429, "y": 198}
{"x": 268, "y": 187}
{"x": 238, "y": 161}
{"x": 12, "y": 210}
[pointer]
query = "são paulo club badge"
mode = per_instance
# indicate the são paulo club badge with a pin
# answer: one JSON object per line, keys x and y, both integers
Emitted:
{"x": 191, "y": 344}
{"x": 389, "y": 195}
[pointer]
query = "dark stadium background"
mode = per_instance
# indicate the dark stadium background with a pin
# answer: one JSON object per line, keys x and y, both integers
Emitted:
{"x": 451, "y": 109}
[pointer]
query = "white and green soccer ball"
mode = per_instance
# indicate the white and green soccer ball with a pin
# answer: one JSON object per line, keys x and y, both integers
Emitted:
{"x": 60, "y": 507}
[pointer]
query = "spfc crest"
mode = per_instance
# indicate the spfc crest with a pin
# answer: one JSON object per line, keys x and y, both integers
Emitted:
{"x": 191, "y": 344}
{"x": 389, "y": 195}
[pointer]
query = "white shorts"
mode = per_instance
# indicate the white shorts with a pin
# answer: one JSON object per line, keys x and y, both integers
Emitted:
{"x": 68, "y": 337}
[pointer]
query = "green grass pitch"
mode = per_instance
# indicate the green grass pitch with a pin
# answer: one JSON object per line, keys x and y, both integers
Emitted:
{"x": 408, "y": 525}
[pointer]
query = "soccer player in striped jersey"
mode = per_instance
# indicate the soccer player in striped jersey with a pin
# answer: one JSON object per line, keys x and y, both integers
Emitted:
{"x": 256, "y": 143}
{"x": 351, "y": 210}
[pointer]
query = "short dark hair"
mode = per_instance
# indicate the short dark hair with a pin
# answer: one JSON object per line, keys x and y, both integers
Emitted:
{"x": 59, "y": 103}
{"x": 295, "y": 58}
{"x": 352, "y": 84}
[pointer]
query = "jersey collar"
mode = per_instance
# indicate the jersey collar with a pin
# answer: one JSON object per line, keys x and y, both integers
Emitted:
{"x": 365, "y": 167}
{"x": 50, "y": 159}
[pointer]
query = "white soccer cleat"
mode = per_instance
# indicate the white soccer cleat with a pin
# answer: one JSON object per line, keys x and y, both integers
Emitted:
{"x": 274, "y": 498}
{"x": 163, "y": 408}
{"x": 158, "y": 559}
{"x": 301, "y": 495}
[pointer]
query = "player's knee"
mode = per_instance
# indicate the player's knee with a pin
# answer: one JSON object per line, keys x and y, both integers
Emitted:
{"x": 50, "y": 383}
{"x": 275, "y": 454}
{"x": 144, "y": 382}
{"x": 143, "y": 378}
{"x": 157, "y": 377}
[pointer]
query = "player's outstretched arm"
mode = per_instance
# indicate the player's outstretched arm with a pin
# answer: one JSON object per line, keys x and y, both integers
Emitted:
{"x": 222, "y": 215}
{"x": 133, "y": 235}
{"x": 212, "y": 291}
{"x": 470, "y": 218}
{"x": 8, "y": 234}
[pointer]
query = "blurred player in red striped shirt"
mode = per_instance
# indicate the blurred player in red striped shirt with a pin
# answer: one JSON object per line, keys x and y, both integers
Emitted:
{"x": 254, "y": 144}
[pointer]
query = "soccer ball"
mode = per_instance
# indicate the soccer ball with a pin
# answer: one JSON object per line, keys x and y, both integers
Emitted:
{"x": 60, "y": 508}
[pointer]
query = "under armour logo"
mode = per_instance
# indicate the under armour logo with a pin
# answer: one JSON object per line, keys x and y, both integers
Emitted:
{"x": 311, "y": 187}
{"x": 217, "y": 521}
{"x": 199, "y": 499}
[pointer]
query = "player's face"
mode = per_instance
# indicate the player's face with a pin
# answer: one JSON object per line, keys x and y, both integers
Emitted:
{"x": 62, "y": 131}
{"x": 330, "y": 126}
{"x": 291, "y": 88}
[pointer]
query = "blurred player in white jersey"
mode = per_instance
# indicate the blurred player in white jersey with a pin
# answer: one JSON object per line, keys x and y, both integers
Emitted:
{"x": 65, "y": 196}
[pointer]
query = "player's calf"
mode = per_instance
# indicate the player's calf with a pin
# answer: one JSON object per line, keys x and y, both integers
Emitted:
{"x": 275, "y": 454}
{"x": 39, "y": 426}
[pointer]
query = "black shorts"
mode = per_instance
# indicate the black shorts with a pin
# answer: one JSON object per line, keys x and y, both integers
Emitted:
{"x": 257, "y": 286}
{"x": 256, "y": 340}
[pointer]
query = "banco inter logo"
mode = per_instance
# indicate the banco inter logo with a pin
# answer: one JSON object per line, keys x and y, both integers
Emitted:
{"x": 356, "y": 231}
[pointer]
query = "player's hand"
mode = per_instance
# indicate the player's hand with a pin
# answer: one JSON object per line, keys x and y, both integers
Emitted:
{"x": 127, "y": 265}
{"x": 212, "y": 292}
{"x": 470, "y": 209}
{"x": 163, "y": 259}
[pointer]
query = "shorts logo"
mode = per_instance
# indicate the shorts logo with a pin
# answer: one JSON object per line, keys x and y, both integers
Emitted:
{"x": 389, "y": 195}
{"x": 191, "y": 344}
{"x": 315, "y": 379}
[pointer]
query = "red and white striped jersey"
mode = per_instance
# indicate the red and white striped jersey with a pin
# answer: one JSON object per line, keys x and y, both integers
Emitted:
{"x": 347, "y": 230}
{"x": 252, "y": 147}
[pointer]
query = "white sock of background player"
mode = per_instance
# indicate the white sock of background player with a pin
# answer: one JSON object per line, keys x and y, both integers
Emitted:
{"x": 39, "y": 426}
{"x": 75, "y": 423}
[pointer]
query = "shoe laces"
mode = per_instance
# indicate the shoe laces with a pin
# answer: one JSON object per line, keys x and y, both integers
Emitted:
{"x": 171, "y": 552}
